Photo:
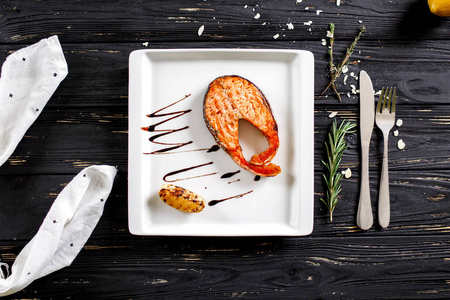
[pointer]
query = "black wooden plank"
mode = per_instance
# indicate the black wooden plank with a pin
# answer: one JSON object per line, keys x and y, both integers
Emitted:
{"x": 325, "y": 268}
{"x": 98, "y": 73}
{"x": 165, "y": 21}
{"x": 419, "y": 204}
{"x": 62, "y": 141}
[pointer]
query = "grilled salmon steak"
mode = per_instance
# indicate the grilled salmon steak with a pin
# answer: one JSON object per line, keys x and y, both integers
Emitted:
{"x": 229, "y": 99}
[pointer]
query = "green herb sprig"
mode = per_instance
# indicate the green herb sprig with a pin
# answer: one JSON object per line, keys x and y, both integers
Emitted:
{"x": 335, "y": 148}
{"x": 335, "y": 72}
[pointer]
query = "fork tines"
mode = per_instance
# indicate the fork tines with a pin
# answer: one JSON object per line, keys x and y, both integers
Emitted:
{"x": 387, "y": 97}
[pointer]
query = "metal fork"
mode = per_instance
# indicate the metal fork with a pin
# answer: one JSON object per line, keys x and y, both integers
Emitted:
{"x": 385, "y": 119}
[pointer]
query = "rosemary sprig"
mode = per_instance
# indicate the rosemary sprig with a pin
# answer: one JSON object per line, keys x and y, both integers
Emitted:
{"x": 335, "y": 72}
{"x": 335, "y": 148}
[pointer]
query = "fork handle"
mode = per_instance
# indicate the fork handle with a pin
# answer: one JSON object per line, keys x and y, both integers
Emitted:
{"x": 384, "y": 206}
{"x": 364, "y": 217}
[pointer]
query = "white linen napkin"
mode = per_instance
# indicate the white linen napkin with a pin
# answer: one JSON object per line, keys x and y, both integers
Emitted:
{"x": 64, "y": 231}
{"x": 29, "y": 78}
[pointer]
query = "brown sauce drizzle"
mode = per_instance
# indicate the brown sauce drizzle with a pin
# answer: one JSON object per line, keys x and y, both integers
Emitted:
{"x": 175, "y": 145}
{"x": 234, "y": 181}
{"x": 214, "y": 202}
{"x": 213, "y": 148}
{"x": 230, "y": 174}
{"x": 152, "y": 128}
{"x": 185, "y": 170}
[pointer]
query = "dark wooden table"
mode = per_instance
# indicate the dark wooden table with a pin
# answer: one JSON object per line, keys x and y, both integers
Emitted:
{"x": 85, "y": 123}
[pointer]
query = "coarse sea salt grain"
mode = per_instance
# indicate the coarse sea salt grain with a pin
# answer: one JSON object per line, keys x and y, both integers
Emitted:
{"x": 332, "y": 115}
{"x": 338, "y": 2}
{"x": 257, "y": 16}
{"x": 399, "y": 122}
{"x": 347, "y": 173}
{"x": 276, "y": 36}
{"x": 345, "y": 79}
{"x": 290, "y": 26}
{"x": 200, "y": 30}
{"x": 324, "y": 42}
{"x": 395, "y": 132}
{"x": 344, "y": 69}
{"x": 307, "y": 23}
{"x": 400, "y": 144}
{"x": 145, "y": 44}
{"x": 299, "y": 1}
{"x": 329, "y": 34}
{"x": 318, "y": 11}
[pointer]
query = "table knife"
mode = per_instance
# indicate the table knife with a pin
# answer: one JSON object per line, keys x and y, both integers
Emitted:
{"x": 364, "y": 217}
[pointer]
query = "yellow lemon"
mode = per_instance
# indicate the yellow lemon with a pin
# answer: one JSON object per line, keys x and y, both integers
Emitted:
{"x": 440, "y": 7}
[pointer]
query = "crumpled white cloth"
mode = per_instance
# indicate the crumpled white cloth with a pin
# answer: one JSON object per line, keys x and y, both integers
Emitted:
{"x": 64, "y": 231}
{"x": 28, "y": 80}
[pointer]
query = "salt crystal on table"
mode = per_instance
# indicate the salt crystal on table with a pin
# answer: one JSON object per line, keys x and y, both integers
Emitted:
{"x": 347, "y": 173}
{"x": 395, "y": 132}
{"x": 324, "y": 42}
{"x": 257, "y": 16}
{"x": 399, "y": 122}
{"x": 401, "y": 145}
{"x": 318, "y": 11}
{"x": 200, "y": 30}
{"x": 307, "y": 23}
{"x": 276, "y": 36}
{"x": 290, "y": 26}
{"x": 344, "y": 69}
{"x": 333, "y": 114}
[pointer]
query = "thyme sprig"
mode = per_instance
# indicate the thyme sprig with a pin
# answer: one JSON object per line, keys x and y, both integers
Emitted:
{"x": 336, "y": 71}
{"x": 335, "y": 148}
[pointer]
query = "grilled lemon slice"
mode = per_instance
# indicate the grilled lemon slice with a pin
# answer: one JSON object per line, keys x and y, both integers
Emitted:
{"x": 181, "y": 198}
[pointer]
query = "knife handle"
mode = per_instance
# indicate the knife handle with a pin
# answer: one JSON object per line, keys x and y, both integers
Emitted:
{"x": 364, "y": 217}
{"x": 384, "y": 206}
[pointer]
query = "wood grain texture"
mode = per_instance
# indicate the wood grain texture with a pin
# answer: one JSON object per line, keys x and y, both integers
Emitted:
{"x": 86, "y": 122}
{"x": 288, "y": 268}
{"x": 63, "y": 141}
{"x": 165, "y": 21}
{"x": 98, "y": 73}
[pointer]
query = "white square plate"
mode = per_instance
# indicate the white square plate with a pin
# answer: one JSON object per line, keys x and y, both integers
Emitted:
{"x": 276, "y": 206}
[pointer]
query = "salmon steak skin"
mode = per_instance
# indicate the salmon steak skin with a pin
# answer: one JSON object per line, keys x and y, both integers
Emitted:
{"x": 232, "y": 98}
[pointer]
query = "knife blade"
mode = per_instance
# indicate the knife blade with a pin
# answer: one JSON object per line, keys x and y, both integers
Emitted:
{"x": 364, "y": 217}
